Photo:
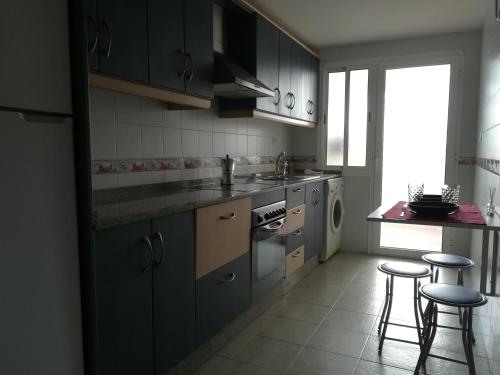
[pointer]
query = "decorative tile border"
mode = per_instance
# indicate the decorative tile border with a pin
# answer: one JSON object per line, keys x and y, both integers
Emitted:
{"x": 490, "y": 165}
{"x": 100, "y": 167}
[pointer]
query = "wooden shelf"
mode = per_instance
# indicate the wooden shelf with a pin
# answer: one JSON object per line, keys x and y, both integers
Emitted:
{"x": 174, "y": 99}
{"x": 254, "y": 113}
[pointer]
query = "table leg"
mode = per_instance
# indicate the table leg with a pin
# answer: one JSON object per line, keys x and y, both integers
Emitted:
{"x": 494, "y": 264}
{"x": 484, "y": 260}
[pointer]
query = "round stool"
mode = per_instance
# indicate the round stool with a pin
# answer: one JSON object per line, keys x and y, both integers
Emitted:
{"x": 455, "y": 296}
{"x": 406, "y": 270}
{"x": 448, "y": 261}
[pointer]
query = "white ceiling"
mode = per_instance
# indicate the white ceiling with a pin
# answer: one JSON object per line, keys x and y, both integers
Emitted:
{"x": 322, "y": 23}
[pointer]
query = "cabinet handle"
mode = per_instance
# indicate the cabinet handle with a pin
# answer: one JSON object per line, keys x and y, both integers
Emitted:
{"x": 299, "y": 211}
{"x": 288, "y": 102}
{"x": 312, "y": 108}
{"x": 107, "y": 52}
{"x": 191, "y": 62}
{"x": 228, "y": 217}
{"x": 184, "y": 69}
{"x": 277, "y": 96}
{"x": 231, "y": 278}
{"x": 296, "y": 190}
{"x": 293, "y": 101}
{"x": 162, "y": 244}
{"x": 148, "y": 244}
{"x": 297, "y": 233}
{"x": 296, "y": 255}
{"x": 91, "y": 47}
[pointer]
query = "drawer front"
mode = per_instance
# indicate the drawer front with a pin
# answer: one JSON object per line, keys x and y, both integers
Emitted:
{"x": 295, "y": 239}
{"x": 294, "y": 260}
{"x": 294, "y": 219}
{"x": 295, "y": 196}
{"x": 221, "y": 296}
{"x": 222, "y": 234}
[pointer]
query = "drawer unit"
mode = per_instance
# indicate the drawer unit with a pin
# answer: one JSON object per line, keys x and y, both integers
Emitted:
{"x": 221, "y": 295}
{"x": 295, "y": 196}
{"x": 294, "y": 219}
{"x": 271, "y": 197}
{"x": 222, "y": 234}
{"x": 294, "y": 240}
{"x": 294, "y": 261}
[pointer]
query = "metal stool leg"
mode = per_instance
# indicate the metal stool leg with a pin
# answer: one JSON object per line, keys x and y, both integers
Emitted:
{"x": 470, "y": 361}
{"x": 460, "y": 281}
{"x": 429, "y": 336}
{"x": 416, "y": 311}
{"x": 388, "y": 314}
{"x": 382, "y": 317}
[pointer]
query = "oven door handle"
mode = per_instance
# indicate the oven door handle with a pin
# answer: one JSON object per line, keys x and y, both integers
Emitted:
{"x": 273, "y": 227}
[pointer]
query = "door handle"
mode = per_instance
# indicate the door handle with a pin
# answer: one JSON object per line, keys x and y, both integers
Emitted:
{"x": 184, "y": 69}
{"x": 299, "y": 211}
{"x": 297, "y": 233}
{"x": 277, "y": 96}
{"x": 148, "y": 245}
{"x": 296, "y": 255}
{"x": 162, "y": 244}
{"x": 107, "y": 51}
{"x": 91, "y": 47}
{"x": 296, "y": 190}
{"x": 191, "y": 62}
{"x": 230, "y": 279}
{"x": 228, "y": 217}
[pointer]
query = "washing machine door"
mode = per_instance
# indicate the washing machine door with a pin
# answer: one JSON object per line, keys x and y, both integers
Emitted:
{"x": 336, "y": 213}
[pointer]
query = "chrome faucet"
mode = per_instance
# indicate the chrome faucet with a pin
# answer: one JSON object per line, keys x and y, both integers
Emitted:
{"x": 279, "y": 163}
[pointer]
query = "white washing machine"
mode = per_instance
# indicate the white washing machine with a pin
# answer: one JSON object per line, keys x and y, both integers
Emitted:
{"x": 334, "y": 218}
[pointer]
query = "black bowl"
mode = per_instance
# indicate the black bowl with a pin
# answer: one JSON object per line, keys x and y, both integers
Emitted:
{"x": 431, "y": 198}
{"x": 432, "y": 208}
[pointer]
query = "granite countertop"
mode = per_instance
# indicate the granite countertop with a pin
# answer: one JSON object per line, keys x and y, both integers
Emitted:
{"x": 132, "y": 204}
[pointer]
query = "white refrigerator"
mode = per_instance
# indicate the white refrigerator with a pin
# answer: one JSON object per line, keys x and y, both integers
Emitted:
{"x": 40, "y": 316}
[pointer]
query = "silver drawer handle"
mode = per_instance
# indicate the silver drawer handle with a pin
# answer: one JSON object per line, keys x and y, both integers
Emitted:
{"x": 231, "y": 278}
{"x": 297, "y": 190}
{"x": 297, "y": 233}
{"x": 296, "y": 255}
{"x": 299, "y": 211}
{"x": 229, "y": 217}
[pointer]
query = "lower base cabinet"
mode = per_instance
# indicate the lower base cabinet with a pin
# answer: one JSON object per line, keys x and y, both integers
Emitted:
{"x": 222, "y": 295}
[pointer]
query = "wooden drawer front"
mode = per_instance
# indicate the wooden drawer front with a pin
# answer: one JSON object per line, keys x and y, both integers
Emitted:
{"x": 294, "y": 219}
{"x": 222, "y": 234}
{"x": 295, "y": 196}
{"x": 219, "y": 300}
{"x": 294, "y": 260}
{"x": 295, "y": 239}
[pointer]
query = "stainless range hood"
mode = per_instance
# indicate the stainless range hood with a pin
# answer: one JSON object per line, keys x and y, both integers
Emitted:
{"x": 233, "y": 82}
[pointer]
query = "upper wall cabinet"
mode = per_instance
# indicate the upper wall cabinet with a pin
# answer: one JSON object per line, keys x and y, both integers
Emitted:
{"x": 180, "y": 45}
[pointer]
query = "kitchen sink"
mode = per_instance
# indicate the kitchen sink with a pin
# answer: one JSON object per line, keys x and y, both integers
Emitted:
{"x": 292, "y": 177}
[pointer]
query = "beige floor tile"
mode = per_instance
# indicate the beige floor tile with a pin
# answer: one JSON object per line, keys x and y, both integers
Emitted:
{"x": 318, "y": 362}
{"x": 236, "y": 345}
{"x": 366, "y": 291}
{"x": 323, "y": 281}
{"x": 284, "y": 329}
{"x": 350, "y": 320}
{"x": 314, "y": 296}
{"x": 370, "y": 279}
{"x": 337, "y": 273}
{"x": 299, "y": 310}
{"x": 364, "y": 305}
{"x": 372, "y": 368}
{"x": 268, "y": 353}
{"x": 338, "y": 340}
{"x": 223, "y": 366}
{"x": 393, "y": 354}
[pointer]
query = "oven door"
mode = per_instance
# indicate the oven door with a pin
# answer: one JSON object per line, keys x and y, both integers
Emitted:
{"x": 268, "y": 257}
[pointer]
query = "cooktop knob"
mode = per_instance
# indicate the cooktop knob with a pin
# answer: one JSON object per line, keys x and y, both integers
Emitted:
{"x": 260, "y": 219}
{"x": 267, "y": 217}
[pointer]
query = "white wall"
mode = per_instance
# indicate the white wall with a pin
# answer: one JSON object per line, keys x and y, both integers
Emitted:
{"x": 358, "y": 189}
{"x": 488, "y": 146}
{"x": 131, "y": 127}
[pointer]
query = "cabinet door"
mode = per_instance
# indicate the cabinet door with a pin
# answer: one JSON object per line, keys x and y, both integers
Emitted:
{"x": 314, "y": 88}
{"x": 309, "y": 223}
{"x": 92, "y": 35}
{"x": 124, "y": 300}
{"x": 296, "y": 68}
{"x": 306, "y": 85}
{"x": 268, "y": 38}
{"x": 166, "y": 44}
{"x": 284, "y": 74}
{"x": 199, "y": 47}
{"x": 174, "y": 290}
{"x": 123, "y": 43}
{"x": 222, "y": 295}
{"x": 319, "y": 218}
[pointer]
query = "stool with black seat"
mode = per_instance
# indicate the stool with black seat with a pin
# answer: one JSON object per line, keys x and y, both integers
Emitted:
{"x": 454, "y": 296}
{"x": 437, "y": 260}
{"x": 405, "y": 270}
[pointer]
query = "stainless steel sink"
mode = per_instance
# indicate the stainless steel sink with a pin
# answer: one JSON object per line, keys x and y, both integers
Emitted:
{"x": 291, "y": 177}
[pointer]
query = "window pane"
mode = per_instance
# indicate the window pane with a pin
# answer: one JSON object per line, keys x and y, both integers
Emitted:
{"x": 336, "y": 115}
{"x": 358, "y": 117}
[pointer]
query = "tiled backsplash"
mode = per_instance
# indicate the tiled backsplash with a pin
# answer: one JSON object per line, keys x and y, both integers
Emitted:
{"x": 128, "y": 129}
